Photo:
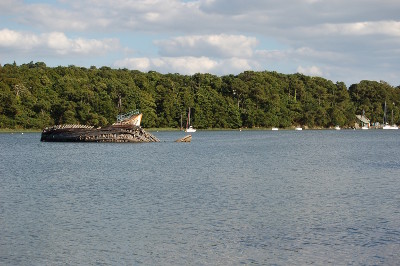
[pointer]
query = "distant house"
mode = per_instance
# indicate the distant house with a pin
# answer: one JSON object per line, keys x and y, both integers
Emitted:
{"x": 363, "y": 120}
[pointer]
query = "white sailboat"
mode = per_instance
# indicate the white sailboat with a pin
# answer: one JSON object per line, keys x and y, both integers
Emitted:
{"x": 189, "y": 128}
{"x": 390, "y": 127}
{"x": 385, "y": 123}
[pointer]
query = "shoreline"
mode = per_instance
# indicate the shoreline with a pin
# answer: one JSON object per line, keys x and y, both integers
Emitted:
{"x": 21, "y": 130}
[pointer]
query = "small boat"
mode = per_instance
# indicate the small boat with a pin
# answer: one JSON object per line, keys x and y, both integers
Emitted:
{"x": 189, "y": 128}
{"x": 275, "y": 129}
{"x": 385, "y": 123}
{"x": 337, "y": 127}
{"x": 390, "y": 127}
{"x": 298, "y": 128}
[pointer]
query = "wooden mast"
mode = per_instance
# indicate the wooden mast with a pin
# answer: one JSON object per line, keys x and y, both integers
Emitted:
{"x": 188, "y": 120}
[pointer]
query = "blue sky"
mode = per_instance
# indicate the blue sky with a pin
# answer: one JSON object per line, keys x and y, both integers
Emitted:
{"x": 339, "y": 40}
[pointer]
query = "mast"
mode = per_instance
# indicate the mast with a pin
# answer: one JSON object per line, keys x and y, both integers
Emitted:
{"x": 362, "y": 117}
{"x": 119, "y": 117}
{"x": 392, "y": 117}
{"x": 384, "y": 115}
{"x": 188, "y": 120}
{"x": 119, "y": 103}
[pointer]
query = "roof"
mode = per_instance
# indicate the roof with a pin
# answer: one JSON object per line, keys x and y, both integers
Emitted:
{"x": 363, "y": 119}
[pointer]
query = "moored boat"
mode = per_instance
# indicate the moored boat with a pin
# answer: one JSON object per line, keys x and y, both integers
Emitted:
{"x": 390, "y": 127}
{"x": 189, "y": 127}
{"x": 385, "y": 123}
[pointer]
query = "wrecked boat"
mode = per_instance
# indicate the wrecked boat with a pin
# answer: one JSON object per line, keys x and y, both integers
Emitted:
{"x": 126, "y": 129}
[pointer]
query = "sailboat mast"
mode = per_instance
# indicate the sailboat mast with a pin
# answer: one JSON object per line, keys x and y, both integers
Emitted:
{"x": 384, "y": 115}
{"x": 188, "y": 120}
{"x": 119, "y": 117}
{"x": 362, "y": 120}
{"x": 392, "y": 117}
{"x": 189, "y": 116}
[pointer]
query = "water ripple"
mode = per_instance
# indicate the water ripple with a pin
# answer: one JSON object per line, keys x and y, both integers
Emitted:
{"x": 227, "y": 198}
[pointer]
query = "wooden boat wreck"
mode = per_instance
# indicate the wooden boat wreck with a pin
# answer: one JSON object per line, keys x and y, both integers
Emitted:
{"x": 187, "y": 138}
{"x": 126, "y": 129}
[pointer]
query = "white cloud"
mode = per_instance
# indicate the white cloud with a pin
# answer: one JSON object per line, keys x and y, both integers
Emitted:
{"x": 152, "y": 16}
{"x": 142, "y": 64}
{"x": 58, "y": 41}
{"x": 10, "y": 38}
{"x": 383, "y": 28}
{"x": 236, "y": 65}
{"x": 277, "y": 35}
{"x": 54, "y": 42}
{"x": 226, "y": 54}
{"x": 222, "y": 45}
{"x": 105, "y": 15}
{"x": 183, "y": 65}
{"x": 302, "y": 53}
{"x": 187, "y": 65}
{"x": 311, "y": 71}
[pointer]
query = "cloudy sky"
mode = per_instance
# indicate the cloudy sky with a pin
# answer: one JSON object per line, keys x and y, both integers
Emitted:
{"x": 341, "y": 40}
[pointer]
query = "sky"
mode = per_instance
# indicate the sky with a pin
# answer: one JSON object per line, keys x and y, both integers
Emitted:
{"x": 340, "y": 40}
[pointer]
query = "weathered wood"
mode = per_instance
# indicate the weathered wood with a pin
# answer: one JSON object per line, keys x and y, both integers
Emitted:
{"x": 82, "y": 133}
{"x": 187, "y": 138}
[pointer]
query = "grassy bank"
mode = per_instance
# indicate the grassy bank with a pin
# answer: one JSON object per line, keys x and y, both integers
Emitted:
{"x": 19, "y": 130}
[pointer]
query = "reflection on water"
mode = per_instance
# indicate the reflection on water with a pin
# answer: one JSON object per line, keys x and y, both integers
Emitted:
{"x": 228, "y": 197}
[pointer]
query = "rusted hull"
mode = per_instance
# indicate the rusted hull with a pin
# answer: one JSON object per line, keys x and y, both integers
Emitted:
{"x": 115, "y": 133}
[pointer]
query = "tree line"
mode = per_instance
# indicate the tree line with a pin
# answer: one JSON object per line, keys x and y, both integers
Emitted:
{"x": 33, "y": 96}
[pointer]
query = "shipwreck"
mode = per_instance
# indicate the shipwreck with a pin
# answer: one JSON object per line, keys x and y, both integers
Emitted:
{"x": 126, "y": 129}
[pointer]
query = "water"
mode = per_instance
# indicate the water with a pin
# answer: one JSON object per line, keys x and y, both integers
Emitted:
{"x": 226, "y": 198}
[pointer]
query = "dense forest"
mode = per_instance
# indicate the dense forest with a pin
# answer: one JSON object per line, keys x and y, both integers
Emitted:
{"x": 35, "y": 96}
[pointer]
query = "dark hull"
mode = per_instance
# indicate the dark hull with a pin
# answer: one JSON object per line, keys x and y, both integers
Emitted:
{"x": 115, "y": 133}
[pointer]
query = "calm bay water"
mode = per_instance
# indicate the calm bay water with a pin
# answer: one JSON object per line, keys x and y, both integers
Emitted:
{"x": 226, "y": 198}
